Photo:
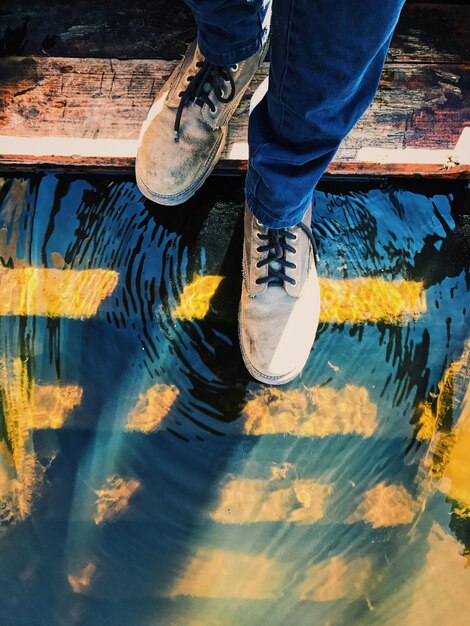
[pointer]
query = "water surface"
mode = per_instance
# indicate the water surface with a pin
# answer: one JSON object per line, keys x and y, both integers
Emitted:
{"x": 146, "y": 479}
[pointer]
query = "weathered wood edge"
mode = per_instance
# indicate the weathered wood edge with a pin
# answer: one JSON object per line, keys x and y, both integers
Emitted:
{"x": 336, "y": 168}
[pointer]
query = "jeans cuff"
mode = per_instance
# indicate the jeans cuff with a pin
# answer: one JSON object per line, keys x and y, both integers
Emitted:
{"x": 248, "y": 49}
{"x": 268, "y": 219}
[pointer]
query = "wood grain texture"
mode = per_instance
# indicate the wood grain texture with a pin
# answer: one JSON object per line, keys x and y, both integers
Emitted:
{"x": 422, "y": 106}
{"x": 426, "y": 32}
{"x": 84, "y": 28}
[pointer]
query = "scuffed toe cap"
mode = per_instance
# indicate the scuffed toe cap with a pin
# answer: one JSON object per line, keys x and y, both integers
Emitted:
{"x": 169, "y": 172}
{"x": 276, "y": 348}
{"x": 263, "y": 359}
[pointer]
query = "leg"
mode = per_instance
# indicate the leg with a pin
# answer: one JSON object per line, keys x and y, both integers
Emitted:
{"x": 326, "y": 62}
{"x": 186, "y": 128}
{"x": 230, "y": 32}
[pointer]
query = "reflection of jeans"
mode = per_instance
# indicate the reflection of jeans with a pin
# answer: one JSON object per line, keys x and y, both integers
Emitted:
{"x": 326, "y": 61}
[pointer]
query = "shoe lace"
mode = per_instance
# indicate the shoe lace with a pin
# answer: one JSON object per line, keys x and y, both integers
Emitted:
{"x": 200, "y": 85}
{"x": 277, "y": 244}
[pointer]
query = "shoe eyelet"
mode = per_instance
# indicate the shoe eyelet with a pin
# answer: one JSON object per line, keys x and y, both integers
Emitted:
{"x": 295, "y": 282}
{"x": 235, "y": 67}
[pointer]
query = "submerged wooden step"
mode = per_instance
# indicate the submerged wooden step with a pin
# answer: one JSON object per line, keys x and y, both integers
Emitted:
{"x": 88, "y": 113}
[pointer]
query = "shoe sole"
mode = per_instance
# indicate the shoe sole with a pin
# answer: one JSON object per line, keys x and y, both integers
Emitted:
{"x": 188, "y": 193}
{"x": 259, "y": 376}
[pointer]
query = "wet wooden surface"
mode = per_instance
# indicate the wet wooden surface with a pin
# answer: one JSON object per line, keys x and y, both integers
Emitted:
{"x": 151, "y": 29}
{"x": 414, "y": 127}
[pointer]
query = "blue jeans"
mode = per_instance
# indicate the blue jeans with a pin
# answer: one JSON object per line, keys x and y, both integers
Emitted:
{"x": 326, "y": 61}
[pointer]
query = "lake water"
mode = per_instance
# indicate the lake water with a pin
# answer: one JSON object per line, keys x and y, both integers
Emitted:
{"x": 146, "y": 479}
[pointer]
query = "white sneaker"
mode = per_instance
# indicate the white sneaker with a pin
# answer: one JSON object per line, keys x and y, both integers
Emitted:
{"x": 280, "y": 300}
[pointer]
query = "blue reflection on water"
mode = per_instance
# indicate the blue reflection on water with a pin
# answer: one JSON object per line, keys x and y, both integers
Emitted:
{"x": 65, "y": 563}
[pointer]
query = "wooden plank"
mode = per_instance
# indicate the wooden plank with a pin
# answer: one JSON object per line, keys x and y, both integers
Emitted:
{"x": 88, "y": 112}
{"x": 426, "y": 32}
{"x": 432, "y": 33}
{"x": 84, "y": 28}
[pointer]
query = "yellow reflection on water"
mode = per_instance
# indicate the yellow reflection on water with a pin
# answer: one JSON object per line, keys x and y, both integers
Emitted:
{"x": 114, "y": 497}
{"x": 385, "y": 505}
{"x": 54, "y": 292}
{"x": 245, "y": 501}
{"x": 313, "y": 411}
{"x": 26, "y": 406}
{"x": 457, "y": 471}
{"x": 434, "y": 413}
{"x": 52, "y": 404}
{"x": 456, "y": 475}
{"x": 440, "y": 592}
{"x": 352, "y": 300}
{"x": 151, "y": 408}
{"x": 195, "y": 299}
{"x": 427, "y": 422}
{"x": 371, "y": 300}
{"x": 335, "y": 578}
{"x": 23, "y": 474}
{"x": 81, "y": 580}
{"x": 450, "y": 446}
{"x": 228, "y": 574}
